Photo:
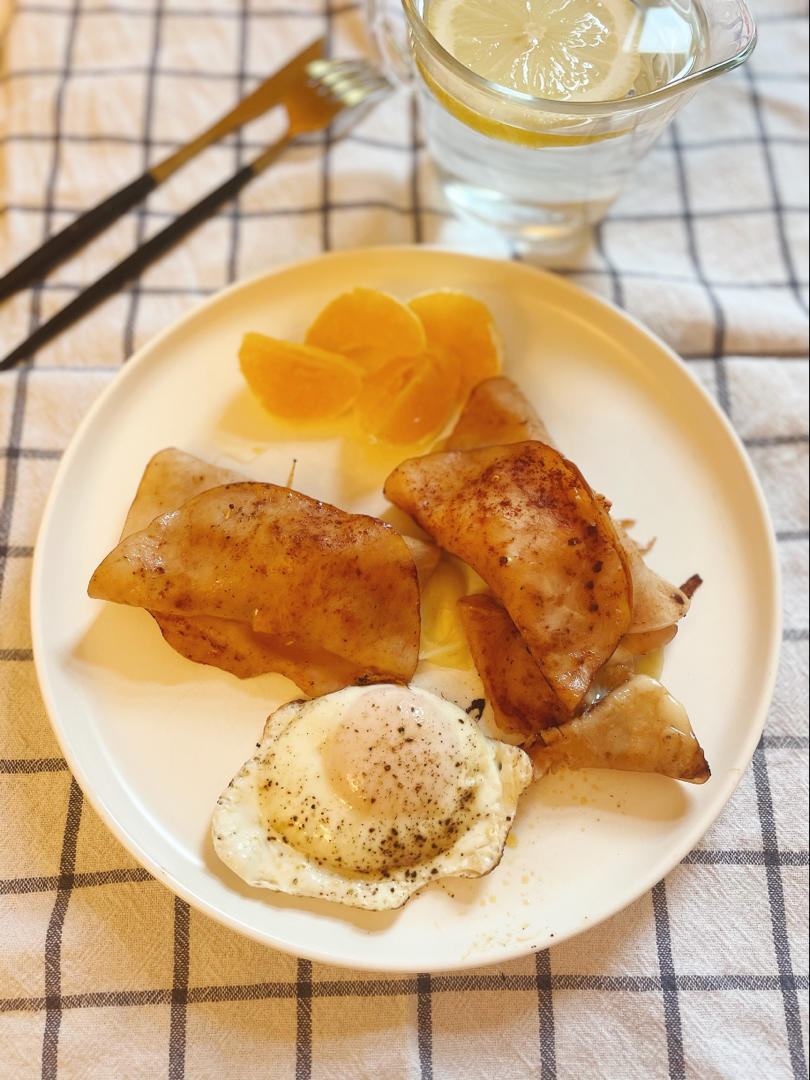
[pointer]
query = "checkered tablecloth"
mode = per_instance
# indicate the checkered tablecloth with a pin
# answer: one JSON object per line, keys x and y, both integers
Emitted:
{"x": 103, "y": 972}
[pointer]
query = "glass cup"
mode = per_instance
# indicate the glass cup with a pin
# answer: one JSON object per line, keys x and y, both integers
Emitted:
{"x": 544, "y": 170}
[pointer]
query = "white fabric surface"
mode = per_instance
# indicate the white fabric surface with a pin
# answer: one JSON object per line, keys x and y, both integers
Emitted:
{"x": 103, "y": 973}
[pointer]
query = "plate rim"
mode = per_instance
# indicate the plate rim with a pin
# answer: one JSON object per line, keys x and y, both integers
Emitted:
{"x": 130, "y": 367}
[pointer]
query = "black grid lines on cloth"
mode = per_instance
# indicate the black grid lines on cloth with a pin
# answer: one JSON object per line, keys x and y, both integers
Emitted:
{"x": 556, "y": 989}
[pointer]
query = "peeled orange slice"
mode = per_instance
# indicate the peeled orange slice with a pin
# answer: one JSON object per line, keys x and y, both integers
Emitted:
{"x": 403, "y": 368}
{"x": 298, "y": 382}
{"x": 567, "y": 50}
{"x": 463, "y": 327}
{"x": 408, "y": 399}
{"x": 368, "y": 326}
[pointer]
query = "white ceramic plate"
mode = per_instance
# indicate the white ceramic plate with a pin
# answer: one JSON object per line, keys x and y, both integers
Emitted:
{"x": 153, "y": 739}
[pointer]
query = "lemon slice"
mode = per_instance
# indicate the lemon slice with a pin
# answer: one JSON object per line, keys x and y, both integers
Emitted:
{"x": 566, "y": 50}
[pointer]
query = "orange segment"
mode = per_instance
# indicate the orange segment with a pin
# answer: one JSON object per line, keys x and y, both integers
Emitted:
{"x": 369, "y": 326}
{"x": 408, "y": 399}
{"x": 298, "y": 382}
{"x": 464, "y": 327}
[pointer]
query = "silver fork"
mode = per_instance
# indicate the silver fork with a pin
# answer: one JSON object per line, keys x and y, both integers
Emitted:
{"x": 333, "y": 88}
{"x": 329, "y": 89}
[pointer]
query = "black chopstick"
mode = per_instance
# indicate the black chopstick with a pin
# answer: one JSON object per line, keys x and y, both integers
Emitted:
{"x": 76, "y": 235}
{"x": 142, "y": 257}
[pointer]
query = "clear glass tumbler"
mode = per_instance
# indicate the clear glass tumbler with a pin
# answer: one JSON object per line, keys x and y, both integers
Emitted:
{"x": 540, "y": 169}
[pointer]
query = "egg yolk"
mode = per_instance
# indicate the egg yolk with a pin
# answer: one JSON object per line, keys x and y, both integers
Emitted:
{"x": 386, "y": 787}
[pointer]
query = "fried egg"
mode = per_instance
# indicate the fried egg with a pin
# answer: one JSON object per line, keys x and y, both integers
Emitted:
{"x": 365, "y": 795}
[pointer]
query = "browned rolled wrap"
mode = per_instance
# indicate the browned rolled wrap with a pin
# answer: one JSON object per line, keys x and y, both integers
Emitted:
{"x": 284, "y": 564}
{"x": 524, "y": 518}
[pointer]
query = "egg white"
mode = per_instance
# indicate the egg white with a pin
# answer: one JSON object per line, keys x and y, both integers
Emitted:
{"x": 365, "y": 795}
